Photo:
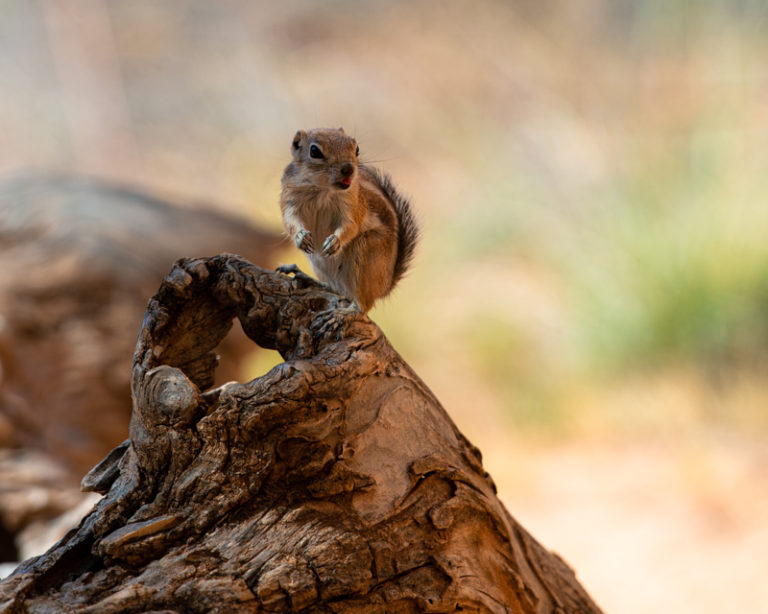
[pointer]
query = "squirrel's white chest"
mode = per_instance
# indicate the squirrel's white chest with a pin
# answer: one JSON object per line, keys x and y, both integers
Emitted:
{"x": 324, "y": 214}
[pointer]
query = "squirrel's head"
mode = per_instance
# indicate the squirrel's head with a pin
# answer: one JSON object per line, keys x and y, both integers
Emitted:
{"x": 324, "y": 157}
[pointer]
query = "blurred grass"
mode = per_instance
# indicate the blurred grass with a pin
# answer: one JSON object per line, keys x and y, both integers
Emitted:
{"x": 676, "y": 262}
{"x": 651, "y": 245}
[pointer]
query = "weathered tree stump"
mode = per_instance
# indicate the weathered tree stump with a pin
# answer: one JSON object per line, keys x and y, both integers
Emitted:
{"x": 334, "y": 483}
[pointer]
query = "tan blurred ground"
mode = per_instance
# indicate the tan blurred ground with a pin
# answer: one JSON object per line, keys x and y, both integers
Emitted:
{"x": 590, "y": 302}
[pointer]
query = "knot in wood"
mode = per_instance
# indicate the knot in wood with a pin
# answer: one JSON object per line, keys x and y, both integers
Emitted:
{"x": 169, "y": 398}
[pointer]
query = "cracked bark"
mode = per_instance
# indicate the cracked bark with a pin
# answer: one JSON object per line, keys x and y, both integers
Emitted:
{"x": 334, "y": 483}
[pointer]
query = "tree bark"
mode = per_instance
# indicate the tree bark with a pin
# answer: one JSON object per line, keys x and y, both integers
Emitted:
{"x": 334, "y": 483}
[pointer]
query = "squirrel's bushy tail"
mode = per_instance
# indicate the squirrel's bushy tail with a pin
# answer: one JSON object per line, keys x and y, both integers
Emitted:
{"x": 407, "y": 228}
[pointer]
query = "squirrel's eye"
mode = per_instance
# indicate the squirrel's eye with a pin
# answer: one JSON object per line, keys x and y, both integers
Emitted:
{"x": 314, "y": 152}
{"x": 357, "y": 151}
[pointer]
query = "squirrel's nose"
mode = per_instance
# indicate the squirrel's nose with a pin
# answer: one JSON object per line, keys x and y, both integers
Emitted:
{"x": 347, "y": 169}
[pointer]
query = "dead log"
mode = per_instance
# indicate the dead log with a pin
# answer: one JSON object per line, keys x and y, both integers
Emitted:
{"x": 334, "y": 483}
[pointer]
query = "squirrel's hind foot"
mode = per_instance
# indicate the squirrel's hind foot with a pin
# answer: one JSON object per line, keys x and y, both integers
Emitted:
{"x": 298, "y": 274}
{"x": 331, "y": 321}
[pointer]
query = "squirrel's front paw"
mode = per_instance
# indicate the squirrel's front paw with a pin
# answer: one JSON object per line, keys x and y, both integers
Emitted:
{"x": 303, "y": 241}
{"x": 331, "y": 245}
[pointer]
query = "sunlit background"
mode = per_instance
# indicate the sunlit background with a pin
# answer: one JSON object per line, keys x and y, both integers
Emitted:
{"x": 590, "y": 299}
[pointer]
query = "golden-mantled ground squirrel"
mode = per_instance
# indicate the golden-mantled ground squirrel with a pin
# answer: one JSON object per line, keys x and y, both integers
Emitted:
{"x": 359, "y": 233}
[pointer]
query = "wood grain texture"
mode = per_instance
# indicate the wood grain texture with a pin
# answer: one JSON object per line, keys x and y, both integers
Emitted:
{"x": 334, "y": 483}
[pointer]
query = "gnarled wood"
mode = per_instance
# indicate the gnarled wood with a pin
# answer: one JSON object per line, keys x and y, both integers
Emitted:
{"x": 334, "y": 483}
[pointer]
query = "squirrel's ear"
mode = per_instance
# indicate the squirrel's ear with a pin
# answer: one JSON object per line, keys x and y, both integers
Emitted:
{"x": 298, "y": 138}
{"x": 341, "y": 129}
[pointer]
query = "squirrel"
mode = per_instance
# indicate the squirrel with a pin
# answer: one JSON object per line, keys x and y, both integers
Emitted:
{"x": 358, "y": 231}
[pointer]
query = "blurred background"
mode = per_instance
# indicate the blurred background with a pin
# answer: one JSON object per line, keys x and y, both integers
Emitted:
{"x": 590, "y": 299}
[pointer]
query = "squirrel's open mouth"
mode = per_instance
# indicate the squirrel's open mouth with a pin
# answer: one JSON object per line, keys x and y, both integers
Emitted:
{"x": 344, "y": 183}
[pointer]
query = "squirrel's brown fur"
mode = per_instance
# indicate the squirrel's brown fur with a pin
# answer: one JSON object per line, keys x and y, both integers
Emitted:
{"x": 359, "y": 233}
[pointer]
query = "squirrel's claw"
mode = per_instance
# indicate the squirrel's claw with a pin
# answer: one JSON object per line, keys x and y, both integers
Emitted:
{"x": 331, "y": 245}
{"x": 303, "y": 241}
{"x": 289, "y": 269}
{"x": 298, "y": 274}
{"x": 331, "y": 321}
